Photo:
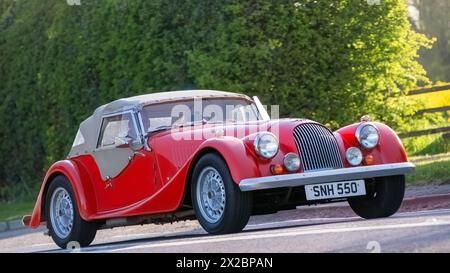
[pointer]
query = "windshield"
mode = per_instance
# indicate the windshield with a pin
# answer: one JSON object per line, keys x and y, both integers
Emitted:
{"x": 181, "y": 113}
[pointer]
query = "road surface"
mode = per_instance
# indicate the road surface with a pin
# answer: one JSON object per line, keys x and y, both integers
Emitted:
{"x": 420, "y": 231}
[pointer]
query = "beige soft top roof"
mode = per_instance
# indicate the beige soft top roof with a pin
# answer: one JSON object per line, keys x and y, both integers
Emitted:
{"x": 142, "y": 100}
{"x": 89, "y": 128}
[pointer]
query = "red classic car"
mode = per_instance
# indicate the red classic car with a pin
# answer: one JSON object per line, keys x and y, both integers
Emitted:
{"x": 216, "y": 157}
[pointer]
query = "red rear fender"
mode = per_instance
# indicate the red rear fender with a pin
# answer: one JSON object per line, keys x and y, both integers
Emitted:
{"x": 80, "y": 181}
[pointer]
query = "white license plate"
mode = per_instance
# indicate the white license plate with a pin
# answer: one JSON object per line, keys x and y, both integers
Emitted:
{"x": 335, "y": 190}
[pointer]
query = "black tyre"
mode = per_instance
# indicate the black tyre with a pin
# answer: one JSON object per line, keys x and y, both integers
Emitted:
{"x": 64, "y": 222}
{"x": 220, "y": 206}
{"x": 384, "y": 197}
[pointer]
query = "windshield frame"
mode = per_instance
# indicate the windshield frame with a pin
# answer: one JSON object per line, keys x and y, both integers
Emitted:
{"x": 256, "y": 110}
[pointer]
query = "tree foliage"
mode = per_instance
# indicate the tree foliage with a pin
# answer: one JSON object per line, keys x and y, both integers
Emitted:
{"x": 433, "y": 19}
{"x": 331, "y": 61}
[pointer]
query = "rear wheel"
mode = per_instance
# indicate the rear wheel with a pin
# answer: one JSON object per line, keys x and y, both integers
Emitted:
{"x": 220, "y": 206}
{"x": 63, "y": 219}
{"x": 383, "y": 199}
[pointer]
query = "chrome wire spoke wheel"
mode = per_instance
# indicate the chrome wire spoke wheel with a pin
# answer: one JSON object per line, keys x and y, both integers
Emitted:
{"x": 61, "y": 212}
{"x": 211, "y": 197}
{"x": 220, "y": 206}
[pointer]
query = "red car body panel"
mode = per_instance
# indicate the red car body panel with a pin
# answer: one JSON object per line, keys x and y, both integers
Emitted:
{"x": 389, "y": 149}
{"x": 84, "y": 193}
{"x": 156, "y": 181}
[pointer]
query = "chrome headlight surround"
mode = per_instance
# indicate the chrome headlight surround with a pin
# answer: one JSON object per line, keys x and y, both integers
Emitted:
{"x": 291, "y": 162}
{"x": 354, "y": 156}
{"x": 266, "y": 145}
{"x": 367, "y": 135}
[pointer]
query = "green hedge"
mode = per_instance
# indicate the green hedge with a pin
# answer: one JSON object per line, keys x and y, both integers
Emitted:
{"x": 331, "y": 61}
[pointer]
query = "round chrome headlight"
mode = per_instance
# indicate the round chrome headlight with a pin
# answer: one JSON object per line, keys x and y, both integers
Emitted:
{"x": 291, "y": 162}
{"x": 354, "y": 156}
{"x": 367, "y": 135}
{"x": 266, "y": 145}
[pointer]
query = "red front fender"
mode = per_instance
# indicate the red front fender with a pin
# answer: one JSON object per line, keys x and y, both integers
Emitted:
{"x": 389, "y": 149}
{"x": 80, "y": 181}
{"x": 239, "y": 159}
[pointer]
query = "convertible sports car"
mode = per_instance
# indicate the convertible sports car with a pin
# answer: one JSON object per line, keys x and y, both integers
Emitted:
{"x": 216, "y": 157}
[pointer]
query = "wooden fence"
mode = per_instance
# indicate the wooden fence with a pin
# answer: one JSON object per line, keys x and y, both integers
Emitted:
{"x": 430, "y": 110}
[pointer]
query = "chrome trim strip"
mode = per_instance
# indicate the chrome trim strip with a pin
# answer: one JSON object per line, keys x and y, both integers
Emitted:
{"x": 261, "y": 109}
{"x": 144, "y": 136}
{"x": 324, "y": 176}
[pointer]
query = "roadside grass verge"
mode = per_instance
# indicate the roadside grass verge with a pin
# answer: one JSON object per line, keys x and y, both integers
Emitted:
{"x": 430, "y": 172}
{"x": 428, "y": 144}
{"x": 15, "y": 211}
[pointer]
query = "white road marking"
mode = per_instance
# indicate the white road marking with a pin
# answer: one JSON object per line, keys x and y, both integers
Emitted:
{"x": 137, "y": 235}
{"x": 39, "y": 245}
{"x": 422, "y": 212}
{"x": 402, "y": 214}
{"x": 285, "y": 234}
{"x": 118, "y": 246}
{"x": 305, "y": 220}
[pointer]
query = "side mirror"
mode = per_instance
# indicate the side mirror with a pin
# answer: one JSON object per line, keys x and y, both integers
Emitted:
{"x": 128, "y": 142}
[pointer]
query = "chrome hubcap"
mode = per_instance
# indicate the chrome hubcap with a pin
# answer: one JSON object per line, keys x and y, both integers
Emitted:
{"x": 211, "y": 195}
{"x": 61, "y": 213}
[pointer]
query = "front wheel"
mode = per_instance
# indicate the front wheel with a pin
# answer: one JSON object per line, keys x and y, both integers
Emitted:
{"x": 383, "y": 199}
{"x": 63, "y": 219}
{"x": 220, "y": 206}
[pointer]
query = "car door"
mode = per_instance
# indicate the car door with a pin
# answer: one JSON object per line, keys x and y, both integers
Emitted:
{"x": 127, "y": 174}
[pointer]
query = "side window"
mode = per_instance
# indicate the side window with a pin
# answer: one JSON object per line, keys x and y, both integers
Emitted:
{"x": 79, "y": 139}
{"x": 116, "y": 126}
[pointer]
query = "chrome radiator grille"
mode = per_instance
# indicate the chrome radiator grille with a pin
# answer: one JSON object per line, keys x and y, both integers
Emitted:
{"x": 317, "y": 147}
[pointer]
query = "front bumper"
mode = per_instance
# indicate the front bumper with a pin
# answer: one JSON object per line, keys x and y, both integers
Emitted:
{"x": 301, "y": 179}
